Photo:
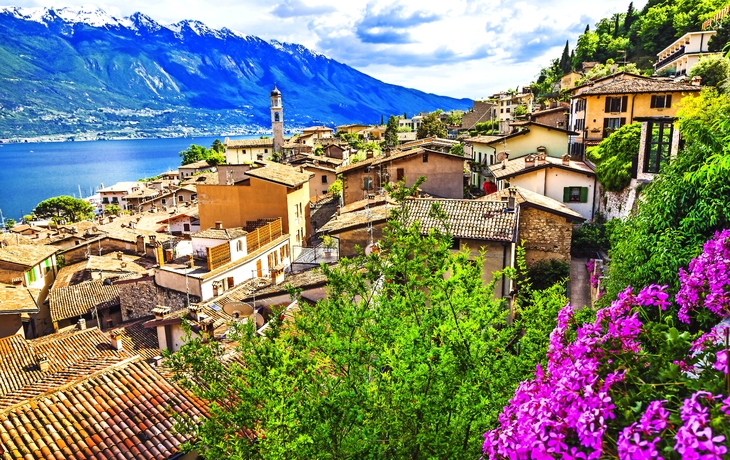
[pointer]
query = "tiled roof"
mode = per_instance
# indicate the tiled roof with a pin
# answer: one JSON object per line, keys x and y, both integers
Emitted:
{"x": 344, "y": 221}
{"x": 126, "y": 411}
{"x": 71, "y": 274}
{"x": 281, "y": 174}
{"x": 197, "y": 165}
{"x": 139, "y": 340}
{"x": 26, "y": 255}
{"x": 71, "y": 356}
{"x": 242, "y": 143}
{"x": 111, "y": 263}
{"x": 479, "y": 220}
{"x": 79, "y": 299}
{"x": 206, "y": 178}
{"x": 536, "y": 200}
{"x": 395, "y": 155}
{"x": 517, "y": 167}
{"x": 221, "y": 233}
{"x": 639, "y": 85}
{"x": 212, "y": 314}
{"x": 17, "y": 299}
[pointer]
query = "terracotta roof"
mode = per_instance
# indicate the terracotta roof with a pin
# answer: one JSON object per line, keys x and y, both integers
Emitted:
{"x": 27, "y": 255}
{"x": 18, "y": 299}
{"x": 517, "y": 167}
{"x": 206, "y": 178}
{"x": 318, "y": 166}
{"x": 483, "y": 139}
{"x": 242, "y": 143}
{"x": 140, "y": 340}
{"x": 211, "y": 313}
{"x": 71, "y": 356}
{"x": 221, "y": 233}
{"x": 71, "y": 274}
{"x": 528, "y": 197}
{"x": 353, "y": 219}
{"x": 79, "y": 299}
{"x": 639, "y": 85}
{"x": 281, "y": 174}
{"x": 110, "y": 263}
{"x": 479, "y": 220}
{"x": 143, "y": 193}
{"x": 126, "y": 411}
{"x": 197, "y": 165}
{"x": 395, "y": 155}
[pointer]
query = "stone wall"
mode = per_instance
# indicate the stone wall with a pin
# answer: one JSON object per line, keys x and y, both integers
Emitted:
{"x": 478, "y": 114}
{"x": 138, "y": 297}
{"x": 615, "y": 205}
{"x": 322, "y": 211}
{"x": 545, "y": 235}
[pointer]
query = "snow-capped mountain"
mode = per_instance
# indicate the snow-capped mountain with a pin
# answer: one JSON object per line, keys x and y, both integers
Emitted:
{"x": 71, "y": 69}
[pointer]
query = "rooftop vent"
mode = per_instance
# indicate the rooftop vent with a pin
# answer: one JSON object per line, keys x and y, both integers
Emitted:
{"x": 219, "y": 225}
{"x": 43, "y": 362}
{"x": 161, "y": 311}
{"x": 116, "y": 339}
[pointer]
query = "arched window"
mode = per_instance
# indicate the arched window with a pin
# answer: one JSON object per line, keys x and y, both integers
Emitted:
{"x": 239, "y": 245}
{"x": 276, "y": 116}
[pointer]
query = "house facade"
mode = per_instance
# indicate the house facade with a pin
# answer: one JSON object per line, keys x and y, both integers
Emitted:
{"x": 679, "y": 57}
{"x": 117, "y": 194}
{"x": 244, "y": 151}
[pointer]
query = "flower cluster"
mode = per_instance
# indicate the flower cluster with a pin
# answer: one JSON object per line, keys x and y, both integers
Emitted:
{"x": 564, "y": 411}
{"x": 639, "y": 441}
{"x": 694, "y": 439}
{"x": 707, "y": 283}
{"x": 591, "y": 266}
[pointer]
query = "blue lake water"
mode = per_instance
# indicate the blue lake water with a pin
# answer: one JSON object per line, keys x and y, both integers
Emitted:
{"x": 32, "y": 172}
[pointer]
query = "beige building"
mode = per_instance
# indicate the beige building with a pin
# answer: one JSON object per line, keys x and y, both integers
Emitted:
{"x": 322, "y": 176}
{"x": 679, "y": 57}
{"x": 18, "y": 304}
{"x": 247, "y": 151}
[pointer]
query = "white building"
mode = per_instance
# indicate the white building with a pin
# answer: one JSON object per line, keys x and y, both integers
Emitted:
{"x": 683, "y": 54}
{"x": 116, "y": 194}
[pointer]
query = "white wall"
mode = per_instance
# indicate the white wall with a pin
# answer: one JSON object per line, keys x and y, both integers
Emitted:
{"x": 550, "y": 182}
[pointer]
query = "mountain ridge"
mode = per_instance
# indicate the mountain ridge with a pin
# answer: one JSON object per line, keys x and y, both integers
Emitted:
{"x": 81, "y": 72}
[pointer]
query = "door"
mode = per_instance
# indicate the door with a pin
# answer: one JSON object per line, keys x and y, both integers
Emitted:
{"x": 186, "y": 227}
{"x": 259, "y": 270}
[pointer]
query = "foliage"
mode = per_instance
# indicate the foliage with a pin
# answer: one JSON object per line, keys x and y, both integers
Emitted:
{"x": 196, "y": 153}
{"x": 590, "y": 238}
{"x": 565, "y": 62}
{"x": 335, "y": 188}
{"x": 431, "y": 126}
{"x": 328, "y": 242}
{"x": 391, "y": 133}
{"x": 719, "y": 41}
{"x": 457, "y": 149}
{"x": 112, "y": 209}
{"x": 319, "y": 150}
{"x": 454, "y": 117}
{"x": 545, "y": 273}
{"x": 217, "y": 146}
{"x": 604, "y": 70}
{"x": 682, "y": 207}
{"x": 713, "y": 69}
{"x": 520, "y": 111}
{"x": 613, "y": 157}
{"x": 354, "y": 140}
{"x": 9, "y": 223}
{"x": 399, "y": 361}
{"x": 65, "y": 208}
{"x": 27, "y": 218}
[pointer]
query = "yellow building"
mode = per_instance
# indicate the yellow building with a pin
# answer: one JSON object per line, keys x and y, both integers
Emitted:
{"x": 600, "y": 109}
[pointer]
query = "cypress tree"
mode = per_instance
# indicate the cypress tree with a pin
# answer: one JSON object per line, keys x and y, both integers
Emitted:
{"x": 588, "y": 29}
{"x": 565, "y": 62}
{"x": 630, "y": 17}
{"x": 615, "y": 25}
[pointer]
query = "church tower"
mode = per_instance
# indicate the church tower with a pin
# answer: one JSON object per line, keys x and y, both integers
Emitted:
{"x": 277, "y": 119}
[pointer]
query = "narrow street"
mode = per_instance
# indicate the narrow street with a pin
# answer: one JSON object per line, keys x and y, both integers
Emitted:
{"x": 580, "y": 288}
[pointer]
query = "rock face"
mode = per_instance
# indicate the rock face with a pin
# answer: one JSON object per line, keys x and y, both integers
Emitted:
{"x": 72, "y": 70}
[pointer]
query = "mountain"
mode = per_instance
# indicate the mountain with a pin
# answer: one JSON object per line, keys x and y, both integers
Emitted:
{"x": 81, "y": 72}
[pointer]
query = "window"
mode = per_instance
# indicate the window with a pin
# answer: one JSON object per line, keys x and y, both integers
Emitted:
{"x": 425, "y": 157}
{"x": 400, "y": 173}
{"x": 612, "y": 124}
{"x": 266, "y": 150}
{"x": 616, "y": 104}
{"x": 367, "y": 183}
{"x": 239, "y": 245}
{"x": 501, "y": 110}
{"x": 580, "y": 124}
{"x": 164, "y": 201}
{"x": 276, "y": 116}
{"x": 180, "y": 198}
{"x": 507, "y": 109}
{"x": 324, "y": 179}
{"x": 580, "y": 105}
{"x": 661, "y": 102}
{"x": 658, "y": 146}
{"x": 575, "y": 194}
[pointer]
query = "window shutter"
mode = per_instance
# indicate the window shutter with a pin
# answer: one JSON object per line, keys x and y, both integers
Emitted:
{"x": 653, "y": 102}
{"x": 584, "y": 194}
{"x": 668, "y": 102}
{"x": 622, "y": 122}
{"x": 566, "y": 194}
{"x": 608, "y": 105}
{"x": 624, "y": 103}
{"x": 605, "y": 124}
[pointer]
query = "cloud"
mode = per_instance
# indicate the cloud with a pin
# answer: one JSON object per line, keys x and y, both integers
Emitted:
{"x": 297, "y": 8}
{"x": 388, "y": 25}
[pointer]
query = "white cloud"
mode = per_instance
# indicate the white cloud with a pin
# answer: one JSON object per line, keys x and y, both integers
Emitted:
{"x": 460, "y": 48}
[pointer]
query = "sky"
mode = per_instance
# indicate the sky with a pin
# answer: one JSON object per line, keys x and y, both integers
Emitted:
{"x": 459, "y": 48}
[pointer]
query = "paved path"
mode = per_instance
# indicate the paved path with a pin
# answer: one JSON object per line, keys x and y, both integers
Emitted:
{"x": 580, "y": 288}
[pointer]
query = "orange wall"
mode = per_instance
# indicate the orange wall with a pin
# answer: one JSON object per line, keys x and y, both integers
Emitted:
{"x": 235, "y": 204}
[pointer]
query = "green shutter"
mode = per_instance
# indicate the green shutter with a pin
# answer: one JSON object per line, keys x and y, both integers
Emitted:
{"x": 566, "y": 194}
{"x": 584, "y": 194}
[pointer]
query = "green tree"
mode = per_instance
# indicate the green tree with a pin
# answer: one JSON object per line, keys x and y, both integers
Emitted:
{"x": 457, "y": 149}
{"x": 719, "y": 41}
{"x": 399, "y": 361}
{"x": 630, "y": 17}
{"x": 27, "y": 218}
{"x": 217, "y": 146}
{"x": 713, "y": 69}
{"x": 613, "y": 157}
{"x": 64, "y": 208}
{"x": 391, "y": 133}
{"x": 9, "y": 223}
{"x": 454, "y": 117}
{"x": 565, "y": 63}
{"x": 335, "y": 188}
{"x": 193, "y": 154}
{"x": 520, "y": 111}
{"x": 431, "y": 126}
{"x": 113, "y": 209}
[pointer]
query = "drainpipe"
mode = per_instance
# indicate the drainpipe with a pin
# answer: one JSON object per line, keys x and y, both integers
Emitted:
{"x": 633, "y": 100}
{"x": 593, "y": 204}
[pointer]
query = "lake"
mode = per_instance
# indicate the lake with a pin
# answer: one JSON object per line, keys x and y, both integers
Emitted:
{"x": 32, "y": 172}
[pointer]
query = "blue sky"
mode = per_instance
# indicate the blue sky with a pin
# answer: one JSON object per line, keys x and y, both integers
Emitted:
{"x": 459, "y": 48}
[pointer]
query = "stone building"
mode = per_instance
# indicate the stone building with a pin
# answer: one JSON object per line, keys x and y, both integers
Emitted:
{"x": 481, "y": 112}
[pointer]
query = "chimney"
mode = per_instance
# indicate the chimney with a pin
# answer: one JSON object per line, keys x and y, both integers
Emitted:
{"x": 43, "y": 362}
{"x": 566, "y": 159}
{"x": 530, "y": 160}
{"x": 219, "y": 225}
{"x": 160, "y": 311}
{"x": 119, "y": 255}
{"x": 82, "y": 324}
{"x": 504, "y": 161}
{"x": 541, "y": 158}
{"x": 368, "y": 153}
{"x": 511, "y": 199}
{"x": 195, "y": 312}
{"x": 338, "y": 210}
{"x": 387, "y": 152}
{"x": 116, "y": 339}
{"x": 696, "y": 80}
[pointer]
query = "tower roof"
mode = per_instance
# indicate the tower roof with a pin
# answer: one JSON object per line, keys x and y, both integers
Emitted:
{"x": 275, "y": 91}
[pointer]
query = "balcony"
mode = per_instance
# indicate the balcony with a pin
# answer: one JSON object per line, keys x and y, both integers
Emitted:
{"x": 669, "y": 59}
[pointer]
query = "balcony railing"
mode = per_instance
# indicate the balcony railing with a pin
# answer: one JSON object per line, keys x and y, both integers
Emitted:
{"x": 672, "y": 57}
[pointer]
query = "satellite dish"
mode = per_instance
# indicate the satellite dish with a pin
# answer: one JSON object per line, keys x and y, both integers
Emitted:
{"x": 238, "y": 309}
{"x": 500, "y": 156}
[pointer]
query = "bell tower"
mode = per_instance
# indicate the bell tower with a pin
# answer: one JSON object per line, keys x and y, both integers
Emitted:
{"x": 277, "y": 119}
